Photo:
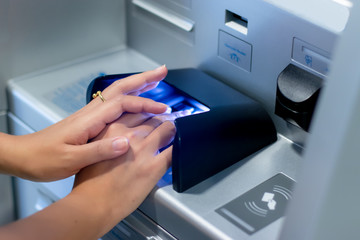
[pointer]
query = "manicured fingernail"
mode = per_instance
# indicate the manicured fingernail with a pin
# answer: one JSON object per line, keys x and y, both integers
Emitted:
{"x": 161, "y": 67}
{"x": 188, "y": 111}
{"x": 163, "y": 105}
{"x": 120, "y": 144}
{"x": 168, "y": 109}
{"x": 184, "y": 113}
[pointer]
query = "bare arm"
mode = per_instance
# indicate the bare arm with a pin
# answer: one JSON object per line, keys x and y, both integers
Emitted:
{"x": 73, "y": 217}
{"x": 113, "y": 184}
{"x": 106, "y": 192}
{"x": 62, "y": 149}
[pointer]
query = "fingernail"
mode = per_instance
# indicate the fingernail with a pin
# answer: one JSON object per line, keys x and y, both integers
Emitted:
{"x": 120, "y": 144}
{"x": 187, "y": 112}
{"x": 159, "y": 68}
{"x": 168, "y": 109}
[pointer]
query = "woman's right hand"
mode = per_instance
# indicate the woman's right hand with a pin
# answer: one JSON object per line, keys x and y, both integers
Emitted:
{"x": 62, "y": 149}
{"x": 121, "y": 184}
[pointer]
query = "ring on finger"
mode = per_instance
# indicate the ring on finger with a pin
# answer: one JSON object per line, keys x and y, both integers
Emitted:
{"x": 98, "y": 93}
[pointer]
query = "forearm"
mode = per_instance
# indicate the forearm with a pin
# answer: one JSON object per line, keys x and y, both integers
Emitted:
{"x": 73, "y": 217}
{"x": 9, "y": 153}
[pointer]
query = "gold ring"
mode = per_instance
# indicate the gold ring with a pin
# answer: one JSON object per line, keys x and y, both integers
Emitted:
{"x": 98, "y": 93}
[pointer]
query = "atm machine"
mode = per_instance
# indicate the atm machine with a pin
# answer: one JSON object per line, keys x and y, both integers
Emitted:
{"x": 277, "y": 53}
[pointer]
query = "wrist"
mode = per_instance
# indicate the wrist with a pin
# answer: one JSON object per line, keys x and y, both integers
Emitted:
{"x": 15, "y": 156}
{"x": 8, "y": 153}
{"x": 97, "y": 207}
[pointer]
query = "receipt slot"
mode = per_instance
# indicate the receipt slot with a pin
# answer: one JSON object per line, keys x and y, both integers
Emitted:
{"x": 225, "y": 127}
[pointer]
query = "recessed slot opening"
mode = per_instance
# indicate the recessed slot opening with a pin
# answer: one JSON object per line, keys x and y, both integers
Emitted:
{"x": 236, "y": 22}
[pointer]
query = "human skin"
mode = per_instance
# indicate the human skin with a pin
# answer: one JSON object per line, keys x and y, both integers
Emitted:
{"x": 112, "y": 178}
{"x": 106, "y": 192}
{"x": 62, "y": 149}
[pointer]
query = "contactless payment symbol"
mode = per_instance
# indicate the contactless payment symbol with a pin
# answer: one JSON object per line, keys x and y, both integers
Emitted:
{"x": 269, "y": 199}
{"x": 261, "y": 205}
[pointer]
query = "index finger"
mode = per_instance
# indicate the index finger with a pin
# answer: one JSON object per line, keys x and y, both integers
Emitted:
{"x": 136, "y": 83}
{"x": 97, "y": 116}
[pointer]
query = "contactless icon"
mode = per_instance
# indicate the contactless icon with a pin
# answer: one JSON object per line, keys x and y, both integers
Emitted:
{"x": 261, "y": 205}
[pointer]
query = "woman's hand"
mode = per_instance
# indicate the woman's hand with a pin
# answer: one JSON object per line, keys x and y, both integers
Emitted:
{"x": 106, "y": 192}
{"x": 123, "y": 183}
{"x": 62, "y": 149}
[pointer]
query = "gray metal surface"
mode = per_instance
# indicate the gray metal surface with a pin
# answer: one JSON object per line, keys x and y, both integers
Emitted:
{"x": 41, "y": 33}
{"x": 138, "y": 226}
{"x": 152, "y": 39}
{"x": 7, "y": 207}
{"x": 33, "y": 98}
{"x": 189, "y": 214}
{"x": 3, "y": 121}
{"x": 271, "y": 27}
{"x": 326, "y": 203}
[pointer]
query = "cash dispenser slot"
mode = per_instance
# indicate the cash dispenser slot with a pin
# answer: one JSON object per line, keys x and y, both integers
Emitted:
{"x": 225, "y": 127}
